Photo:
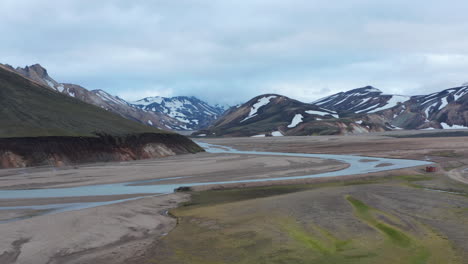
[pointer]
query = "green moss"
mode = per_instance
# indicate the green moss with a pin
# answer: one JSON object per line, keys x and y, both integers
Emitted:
{"x": 395, "y": 235}
{"x": 365, "y": 213}
{"x": 421, "y": 256}
{"x": 252, "y": 226}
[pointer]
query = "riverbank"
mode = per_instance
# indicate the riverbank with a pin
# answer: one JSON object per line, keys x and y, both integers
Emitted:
{"x": 23, "y": 239}
{"x": 395, "y": 219}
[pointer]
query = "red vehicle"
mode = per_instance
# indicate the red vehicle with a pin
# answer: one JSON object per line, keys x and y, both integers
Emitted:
{"x": 431, "y": 169}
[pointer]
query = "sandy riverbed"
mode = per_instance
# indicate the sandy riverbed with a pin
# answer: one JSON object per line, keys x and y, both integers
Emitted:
{"x": 116, "y": 233}
{"x": 120, "y": 231}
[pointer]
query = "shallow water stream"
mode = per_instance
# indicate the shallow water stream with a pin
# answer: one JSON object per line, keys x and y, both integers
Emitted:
{"x": 357, "y": 165}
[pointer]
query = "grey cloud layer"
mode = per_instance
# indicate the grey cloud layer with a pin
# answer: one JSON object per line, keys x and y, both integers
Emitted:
{"x": 229, "y": 51}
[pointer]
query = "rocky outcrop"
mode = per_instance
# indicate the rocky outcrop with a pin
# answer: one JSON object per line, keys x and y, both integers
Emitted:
{"x": 61, "y": 151}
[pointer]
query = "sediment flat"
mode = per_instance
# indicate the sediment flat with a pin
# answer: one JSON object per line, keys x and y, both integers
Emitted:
{"x": 140, "y": 231}
{"x": 192, "y": 167}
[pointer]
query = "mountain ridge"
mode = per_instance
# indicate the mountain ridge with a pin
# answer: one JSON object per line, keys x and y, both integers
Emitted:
{"x": 101, "y": 98}
{"x": 359, "y": 110}
{"x": 43, "y": 127}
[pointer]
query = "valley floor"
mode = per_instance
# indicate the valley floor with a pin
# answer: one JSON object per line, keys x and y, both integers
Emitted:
{"x": 405, "y": 216}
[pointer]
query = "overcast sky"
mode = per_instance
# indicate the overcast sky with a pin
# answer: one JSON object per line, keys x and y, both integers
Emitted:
{"x": 229, "y": 51}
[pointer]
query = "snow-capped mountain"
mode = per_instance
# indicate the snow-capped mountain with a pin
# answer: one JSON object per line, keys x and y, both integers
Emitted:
{"x": 277, "y": 115}
{"x": 447, "y": 109}
{"x": 431, "y": 104}
{"x": 361, "y": 100}
{"x": 102, "y": 99}
{"x": 359, "y": 110}
{"x": 192, "y": 112}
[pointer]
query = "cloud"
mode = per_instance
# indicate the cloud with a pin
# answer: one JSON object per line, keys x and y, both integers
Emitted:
{"x": 229, "y": 51}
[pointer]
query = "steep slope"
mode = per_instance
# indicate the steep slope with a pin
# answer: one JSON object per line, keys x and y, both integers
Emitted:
{"x": 41, "y": 126}
{"x": 99, "y": 98}
{"x": 192, "y": 112}
{"x": 447, "y": 109}
{"x": 359, "y": 110}
{"x": 277, "y": 115}
{"x": 440, "y": 110}
{"x": 361, "y": 100}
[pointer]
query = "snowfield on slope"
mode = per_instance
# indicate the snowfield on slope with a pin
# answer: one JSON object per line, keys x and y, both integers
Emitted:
{"x": 261, "y": 102}
{"x": 297, "y": 119}
{"x": 447, "y": 126}
{"x": 320, "y": 113}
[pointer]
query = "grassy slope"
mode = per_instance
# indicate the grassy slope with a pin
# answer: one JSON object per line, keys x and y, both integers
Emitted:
{"x": 321, "y": 223}
{"x": 30, "y": 110}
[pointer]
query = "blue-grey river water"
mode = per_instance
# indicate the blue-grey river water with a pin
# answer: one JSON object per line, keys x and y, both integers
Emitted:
{"x": 357, "y": 165}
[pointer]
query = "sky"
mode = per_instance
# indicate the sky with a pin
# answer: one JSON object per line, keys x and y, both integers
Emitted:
{"x": 227, "y": 52}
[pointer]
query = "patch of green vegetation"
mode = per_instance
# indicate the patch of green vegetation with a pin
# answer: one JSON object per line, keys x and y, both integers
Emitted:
{"x": 300, "y": 235}
{"x": 212, "y": 197}
{"x": 267, "y": 225}
{"x": 365, "y": 213}
{"x": 421, "y": 256}
{"x": 220, "y": 234}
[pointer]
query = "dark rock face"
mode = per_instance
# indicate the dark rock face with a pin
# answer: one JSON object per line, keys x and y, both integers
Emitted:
{"x": 59, "y": 151}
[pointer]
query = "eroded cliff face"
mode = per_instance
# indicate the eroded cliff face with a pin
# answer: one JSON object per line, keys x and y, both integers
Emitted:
{"x": 61, "y": 151}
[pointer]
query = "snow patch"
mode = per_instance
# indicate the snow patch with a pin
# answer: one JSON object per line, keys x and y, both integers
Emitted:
{"x": 51, "y": 84}
{"x": 394, "y": 101}
{"x": 447, "y": 126}
{"x": 444, "y": 102}
{"x": 262, "y": 135}
{"x": 60, "y": 88}
{"x": 109, "y": 98}
{"x": 277, "y": 134}
{"x": 297, "y": 119}
{"x": 148, "y": 101}
{"x": 320, "y": 113}
{"x": 261, "y": 102}
{"x": 428, "y": 109}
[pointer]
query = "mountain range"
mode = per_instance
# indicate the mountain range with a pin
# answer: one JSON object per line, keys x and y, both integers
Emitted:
{"x": 176, "y": 113}
{"x": 360, "y": 110}
{"x": 40, "y": 126}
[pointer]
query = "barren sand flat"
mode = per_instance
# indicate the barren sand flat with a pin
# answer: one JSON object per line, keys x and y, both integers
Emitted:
{"x": 107, "y": 234}
{"x": 198, "y": 167}
{"x": 121, "y": 231}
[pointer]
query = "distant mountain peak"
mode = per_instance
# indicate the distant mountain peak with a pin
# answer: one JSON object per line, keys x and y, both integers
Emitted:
{"x": 366, "y": 89}
{"x": 366, "y": 99}
{"x": 190, "y": 111}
